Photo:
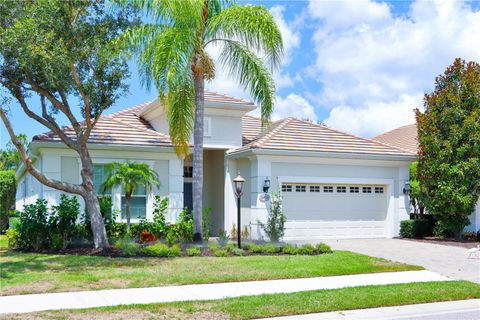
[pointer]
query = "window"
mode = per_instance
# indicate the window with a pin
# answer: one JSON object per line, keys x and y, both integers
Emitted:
{"x": 314, "y": 188}
{"x": 99, "y": 176}
{"x": 379, "y": 190}
{"x": 300, "y": 188}
{"x": 341, "y": 189}
{"x": 187, "y": 171}
{"x": 327, "y": 189}
{"x": 138, "y": 204}
{"x": 367, "y": 189}
{"x": 286, "y": 188}
{"x": 354, "y": 189}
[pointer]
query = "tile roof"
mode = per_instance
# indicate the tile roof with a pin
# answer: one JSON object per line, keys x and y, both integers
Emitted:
{"x": 404, "y": 137}
{"x": 123, "y": 128}
{"x": 301, "y": 135}
{"x": 218, "y": 97}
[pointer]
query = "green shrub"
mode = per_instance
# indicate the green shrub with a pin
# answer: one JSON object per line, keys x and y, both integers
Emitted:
{"x": 222, "y": 238}
{"x": 247, "y": 245}
{"x": 193, "y": 251}
{"x": 34, "y": 228}
{"x": 213, "y": 246}
{"x": 62, "y": 222}
{"x": 238, "y": 252}
{"x": 230, "y": 247}
{"x": 275, "y": 225}
{"x": 13, "y": 238}
{"x": 307, "y": 249}
{"x": 8, "y": 186}
{"x": 127, "y": 247}
{"x": 162, "y": 250}
{"x": 323, "y": 248}
{"x": 446, "y": 229}
{"x": 182, "y": 231}
{"x": 159, "y": 223}
{"x": 220, "y": 253}
{"x": 416, "y": 228}
{"x": 291, "y": 249}
{"x": 207, "y": 225}
{"x": 255, "y": 248}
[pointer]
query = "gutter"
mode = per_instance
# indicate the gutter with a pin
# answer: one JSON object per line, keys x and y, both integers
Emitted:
{"x": 343, "y": 155}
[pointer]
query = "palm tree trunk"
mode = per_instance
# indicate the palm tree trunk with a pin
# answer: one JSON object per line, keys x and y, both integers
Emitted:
{"x": 127, "y": 211}
{"x": 197, "y": 180}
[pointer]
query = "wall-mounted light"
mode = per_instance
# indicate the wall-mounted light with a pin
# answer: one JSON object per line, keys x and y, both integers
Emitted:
{"x": 266, "y": 185}
{"x": 406, "y": 188}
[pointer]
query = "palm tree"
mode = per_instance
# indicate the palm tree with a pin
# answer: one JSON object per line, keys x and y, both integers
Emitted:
{"x": 131, "y": 176}
{"x": 172, "y": 54}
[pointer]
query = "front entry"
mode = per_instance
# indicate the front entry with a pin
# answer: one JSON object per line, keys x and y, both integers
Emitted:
{"x": 187, "y": 196}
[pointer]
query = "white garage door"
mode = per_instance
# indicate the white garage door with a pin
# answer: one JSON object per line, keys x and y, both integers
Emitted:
{"x": 331, "y": 211}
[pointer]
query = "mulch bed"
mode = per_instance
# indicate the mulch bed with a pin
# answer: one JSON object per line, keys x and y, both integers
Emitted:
{"x": 448, "y": 242}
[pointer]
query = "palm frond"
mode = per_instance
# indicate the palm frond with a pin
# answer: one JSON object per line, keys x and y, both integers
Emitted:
{"x": 180, "y": 103}
{"x": 243, "y": 65}
{"x": 253, "y": 26}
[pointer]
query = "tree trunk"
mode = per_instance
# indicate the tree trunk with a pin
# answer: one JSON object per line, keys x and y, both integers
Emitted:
{"x": 127, "y": 211}
{"x": 100, "y": 239}
{"x": 197, "y": 181}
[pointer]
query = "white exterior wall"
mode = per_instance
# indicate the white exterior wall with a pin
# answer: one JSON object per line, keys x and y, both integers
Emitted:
{"x": 280, "y": 169}
{"x": 64, "y": 165}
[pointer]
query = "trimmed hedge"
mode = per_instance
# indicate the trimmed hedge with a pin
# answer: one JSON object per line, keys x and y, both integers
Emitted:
{"x": 418, "y": 228}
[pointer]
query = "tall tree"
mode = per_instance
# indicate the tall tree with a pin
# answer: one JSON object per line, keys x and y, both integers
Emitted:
{"x": 10, "y": 157}
{"x": 172, "y": 54}
{"x": 449, "y": 138}
{"x": 131, "y": 176}
{"x": 58, "y": 61}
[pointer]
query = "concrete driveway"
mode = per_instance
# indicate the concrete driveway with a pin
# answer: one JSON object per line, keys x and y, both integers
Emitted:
{"x": 446, "y": 260}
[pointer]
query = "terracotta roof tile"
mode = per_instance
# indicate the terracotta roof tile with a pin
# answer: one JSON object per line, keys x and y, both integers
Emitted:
{"x": 301, "y": 135}
{"x": 404, "y": 137}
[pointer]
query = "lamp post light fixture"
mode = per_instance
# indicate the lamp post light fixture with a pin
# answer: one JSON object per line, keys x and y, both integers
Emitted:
{"x": 239, "y": 181}
{"x": 266, "y": 185}
{"x": 406, "y": 188}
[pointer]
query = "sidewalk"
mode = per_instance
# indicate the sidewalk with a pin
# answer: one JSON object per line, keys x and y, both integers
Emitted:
{"x": 100, "y": 298}
{"x": 463, "y": 309}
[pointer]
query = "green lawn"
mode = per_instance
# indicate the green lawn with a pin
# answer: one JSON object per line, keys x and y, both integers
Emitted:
{"x": 280, "y": 304}
{"x": 22, "y": 273}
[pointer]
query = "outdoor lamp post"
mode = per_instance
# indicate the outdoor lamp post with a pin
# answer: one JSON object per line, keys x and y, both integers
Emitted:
{"x": 239, "y": 181}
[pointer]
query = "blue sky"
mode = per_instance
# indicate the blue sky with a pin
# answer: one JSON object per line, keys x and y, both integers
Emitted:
{"x": 358, "y": 66}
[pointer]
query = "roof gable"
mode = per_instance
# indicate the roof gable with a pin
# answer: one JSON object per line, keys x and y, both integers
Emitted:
{"x": 404, "y": 137}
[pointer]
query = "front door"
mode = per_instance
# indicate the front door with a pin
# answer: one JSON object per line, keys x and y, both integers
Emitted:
{"x": 187, "y": 196}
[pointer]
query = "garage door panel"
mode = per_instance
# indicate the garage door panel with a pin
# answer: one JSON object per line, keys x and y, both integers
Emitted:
{"x": 316, "y": 215}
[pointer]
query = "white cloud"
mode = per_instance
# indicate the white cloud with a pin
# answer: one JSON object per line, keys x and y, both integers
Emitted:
{"x": 374, "y": 66}
{"x": 292, "y": 106}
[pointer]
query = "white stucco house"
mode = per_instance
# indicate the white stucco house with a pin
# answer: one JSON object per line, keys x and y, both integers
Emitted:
{"x": 334, "y": 184}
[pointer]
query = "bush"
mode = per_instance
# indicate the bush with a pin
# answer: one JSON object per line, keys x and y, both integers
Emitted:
{"x": 222, "y": 238}
{"x": 307, "y": 249}
{"x": 62, "y": 222}
{"x": 207, "y": 223}
{"x": 417, "y": 228}
{"x": 213, "y": 246}
{"x": 182, "y": 231}
{"x": 159, "y": 224}
{"x": 291, "y": 249}
{"x": 8, "y": 186}
{"x": 162, "y": 250}
{"x": 147, "y": 236}
{"x": 275, "y": 226}
{"x": 238, "y": 252}
{"x": 220, "y": 253}
{"x": 194, "y": 251}
{"x": 13, "y": 238}
{"x": 230, "y": 247}
{"x": 323, "y": 248}
{"x": 33, "y": 227}
{"x": 447, "y": 228}
{"x": 127, "y": 247}
{"x": 247, "y": 245}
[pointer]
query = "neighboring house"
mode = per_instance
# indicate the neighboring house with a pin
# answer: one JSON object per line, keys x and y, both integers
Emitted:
{"x": 406, "y": 138}
{"x": 334, "y": 184}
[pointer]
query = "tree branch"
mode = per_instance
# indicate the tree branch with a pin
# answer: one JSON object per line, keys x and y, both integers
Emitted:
{"x": 63, "y": 186}
{"x": 85, "y": 98}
